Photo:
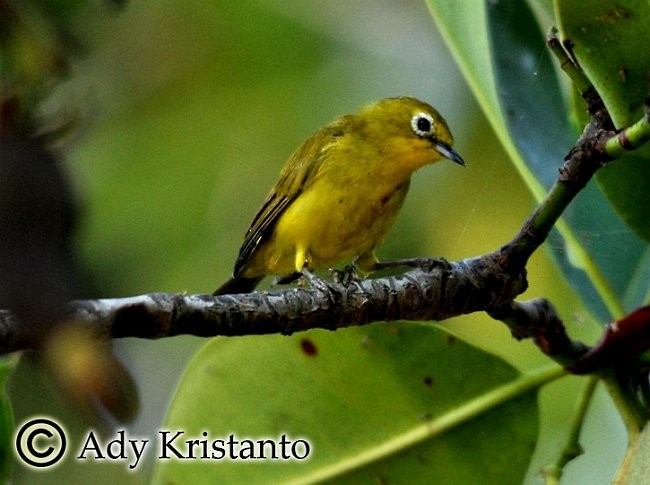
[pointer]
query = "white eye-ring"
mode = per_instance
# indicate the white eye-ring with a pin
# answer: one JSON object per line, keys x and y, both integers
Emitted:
{"x": 422, "y": 124}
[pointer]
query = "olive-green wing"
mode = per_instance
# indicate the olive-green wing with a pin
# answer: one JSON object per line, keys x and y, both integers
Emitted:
{"x": 299, "y": 173}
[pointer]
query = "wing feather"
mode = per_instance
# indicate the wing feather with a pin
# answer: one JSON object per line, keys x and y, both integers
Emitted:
{"x": 298, "y": 174}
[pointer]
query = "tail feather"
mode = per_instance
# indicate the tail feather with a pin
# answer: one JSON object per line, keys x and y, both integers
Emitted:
{"x": 237, "y": 284}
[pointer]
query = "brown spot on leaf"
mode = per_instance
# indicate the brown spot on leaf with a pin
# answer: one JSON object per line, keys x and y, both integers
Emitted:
{"x": 308, "y": 347}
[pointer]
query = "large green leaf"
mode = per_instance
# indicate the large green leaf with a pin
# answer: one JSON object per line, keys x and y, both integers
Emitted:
{"x": 515, "y": 78}
{"x": 385, "y": 403}
{"x": 610, "y": 40}
{"x": 529, "y": 94}
{"x": 625, "y": 183}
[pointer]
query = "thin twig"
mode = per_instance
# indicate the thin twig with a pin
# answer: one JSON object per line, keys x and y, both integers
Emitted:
{"x": 631, "y": 137}
{"x": 570, "y": 66}
{"x": 572, "y": 448}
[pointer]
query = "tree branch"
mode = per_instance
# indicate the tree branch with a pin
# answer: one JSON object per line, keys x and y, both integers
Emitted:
{"x": 439, "y": 291}
{"x": 538, "y": 319}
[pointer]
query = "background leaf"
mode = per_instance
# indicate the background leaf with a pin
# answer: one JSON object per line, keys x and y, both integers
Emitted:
{"x": 529, "y": 95}
{"x": 625, "y": 183}
{"x": 359, "y": 396}
{"x": 610, "y": 40}
{"x": 528, "y": 113}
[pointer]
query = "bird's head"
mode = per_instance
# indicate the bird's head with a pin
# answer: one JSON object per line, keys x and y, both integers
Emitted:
{"x": 409, "y": 132}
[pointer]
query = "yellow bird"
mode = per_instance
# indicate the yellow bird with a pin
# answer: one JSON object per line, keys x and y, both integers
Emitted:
{"x": 339, "y": 193}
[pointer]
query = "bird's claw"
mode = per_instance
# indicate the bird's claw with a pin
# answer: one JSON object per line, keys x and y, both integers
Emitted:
{"x": 347, "y": 276}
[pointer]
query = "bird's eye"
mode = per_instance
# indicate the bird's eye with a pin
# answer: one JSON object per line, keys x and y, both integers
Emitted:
{"x": 422, "y": 124}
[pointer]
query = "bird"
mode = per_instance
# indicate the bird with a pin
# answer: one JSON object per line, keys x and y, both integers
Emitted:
{"x": 339, "y": 193}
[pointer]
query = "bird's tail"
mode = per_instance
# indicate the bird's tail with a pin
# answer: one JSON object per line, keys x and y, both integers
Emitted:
{"x": 237, "y": 284}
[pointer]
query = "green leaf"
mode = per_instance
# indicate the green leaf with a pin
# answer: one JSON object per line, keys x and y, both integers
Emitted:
{"x": 625, "y": 183}
{"x": 528, "y": 91}
{"x": 384, "y": 403}
{"x": 611, "y": 42}
{"x": 455, "y": 19}
{"x": 522, "y": 97}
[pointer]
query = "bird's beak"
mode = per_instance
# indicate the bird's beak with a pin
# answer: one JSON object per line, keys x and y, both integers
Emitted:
{"x": 446, "y": 151}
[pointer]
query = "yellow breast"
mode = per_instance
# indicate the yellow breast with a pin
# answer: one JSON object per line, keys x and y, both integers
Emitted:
{"x": 328, "y": 224}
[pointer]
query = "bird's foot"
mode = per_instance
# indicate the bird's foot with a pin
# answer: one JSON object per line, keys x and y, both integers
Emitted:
{"x": 347, "y": 276}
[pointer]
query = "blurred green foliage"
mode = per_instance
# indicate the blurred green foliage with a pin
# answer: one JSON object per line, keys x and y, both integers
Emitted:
{"x": 185, "y": 113}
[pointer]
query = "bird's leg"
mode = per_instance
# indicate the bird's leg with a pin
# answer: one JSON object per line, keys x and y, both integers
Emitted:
{"x": 426, "y": 264}
{"x": 348, "y": 275}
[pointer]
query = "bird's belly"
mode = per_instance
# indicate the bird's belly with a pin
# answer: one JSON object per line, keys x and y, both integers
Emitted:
{"x": 329, "y": 232}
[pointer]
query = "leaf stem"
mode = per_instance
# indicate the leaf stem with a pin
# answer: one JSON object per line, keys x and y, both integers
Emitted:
{"x": 631, "y": 137}
{"x": 572, "y": 448}
{"x": 568, "y": 64}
